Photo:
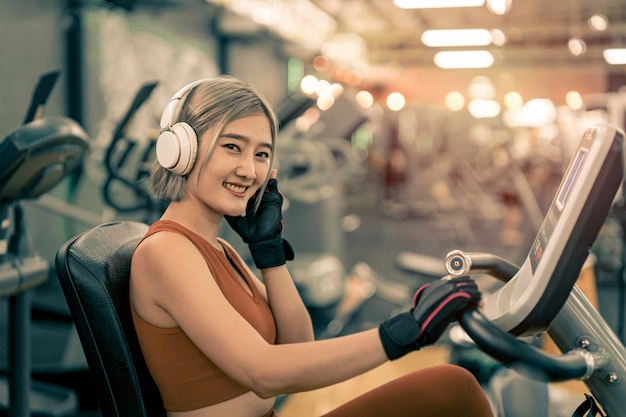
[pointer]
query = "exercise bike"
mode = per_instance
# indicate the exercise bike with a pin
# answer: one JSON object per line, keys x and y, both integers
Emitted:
{"x": 541, "y": 296}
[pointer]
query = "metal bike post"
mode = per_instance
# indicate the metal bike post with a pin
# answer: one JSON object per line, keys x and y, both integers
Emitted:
{"x": 580, "y": 325}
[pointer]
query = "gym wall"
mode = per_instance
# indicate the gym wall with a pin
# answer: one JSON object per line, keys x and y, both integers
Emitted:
{"x": 120, "y": 49}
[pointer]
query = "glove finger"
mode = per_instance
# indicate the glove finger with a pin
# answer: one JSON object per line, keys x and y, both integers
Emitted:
{"x": 475, "y": 293}
{"x": 447, "y": 311}
{"x": 272, "y": 186}
{"x": 464, "y": 278}
{"x": 468, "y": 285}
{"x": 242, "y": 225}
{"x": 232, "y": 221}
{"x": 252, "y": 201}
{"x": 273, "y": 190}
{"x": 419, "y": 293}
{"x": 431, "y": 296}
{"x": 271, "y": 200}
{"x": 236, "y": 222}
{"x": 270, "y": 210}
{"x": 439, "y": 290}
{"x": 272, "y": 195}
{"x": 472, "y": 289}
{"x": 463, "y": 282}
{"x": 251, "y": 204}
{"x": 434, "y": 328}
{"x": 270, "y": 221}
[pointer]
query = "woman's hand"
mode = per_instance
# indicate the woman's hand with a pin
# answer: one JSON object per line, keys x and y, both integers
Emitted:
{"x": 262, "y": 229}
{"x": 435, "y": 306}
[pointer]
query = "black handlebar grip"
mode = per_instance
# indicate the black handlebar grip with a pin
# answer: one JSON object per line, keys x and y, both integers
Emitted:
{"x": 521, "y": 356}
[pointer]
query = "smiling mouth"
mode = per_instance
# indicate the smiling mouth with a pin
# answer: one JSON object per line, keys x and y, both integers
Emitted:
{"x": 234, "y": 188}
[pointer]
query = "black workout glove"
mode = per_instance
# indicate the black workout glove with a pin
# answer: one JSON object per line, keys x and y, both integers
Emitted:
{"x": 262, "y": 229}
{"x": 435, "y": 306}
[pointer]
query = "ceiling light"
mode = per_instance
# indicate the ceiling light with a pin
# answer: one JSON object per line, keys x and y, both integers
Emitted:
{"x": 615, "y": 56}
{"x": 308, "y": 85}
{"x": 537, "y": 112}
{"x": 364, "y": 99}
{"x": 577, "y": 46}
{"x": 454, "y": 101}
{"x": 322, "y": 88}
{"x": 513, "y": 100}
{"x": 483, "y": 109}
{"x": 336, "y": 90}
{"x": 598, "y": 22}
{"x": 436, "y": 4}
{"x": 325, "y": 102}
{"x": 498, "y": 37}
{"x": 463, "y": 59}
{"x": 321, "y": 63}
{"x": 395, "y": 101}
{"x": 295, "y": 20}
{"x": 481, "y": 87}
{"x": 574, "y": 100}
{"x": 499, "y": 7}
{"x": 456, "y": 37}
{"x": 541, "y": 110}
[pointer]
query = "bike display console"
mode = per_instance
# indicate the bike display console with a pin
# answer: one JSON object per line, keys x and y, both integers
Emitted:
{"x": 532, "y": 298}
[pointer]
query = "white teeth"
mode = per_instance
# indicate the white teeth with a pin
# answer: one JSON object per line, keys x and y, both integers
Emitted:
{"x": 234, "y": 188}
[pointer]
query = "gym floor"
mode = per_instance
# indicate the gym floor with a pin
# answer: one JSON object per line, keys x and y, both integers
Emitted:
{"x": 383, "y": 233}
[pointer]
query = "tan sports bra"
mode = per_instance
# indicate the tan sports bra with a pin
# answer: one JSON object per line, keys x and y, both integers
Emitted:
{"x": 186, "y": 378}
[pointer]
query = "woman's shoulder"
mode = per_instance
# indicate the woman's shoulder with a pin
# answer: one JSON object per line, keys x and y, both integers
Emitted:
{"x": 162, "y": 242}
{"x": 166, "y": 225}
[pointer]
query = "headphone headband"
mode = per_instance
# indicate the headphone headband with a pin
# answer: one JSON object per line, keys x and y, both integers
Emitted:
{"x": 172, "y": 105}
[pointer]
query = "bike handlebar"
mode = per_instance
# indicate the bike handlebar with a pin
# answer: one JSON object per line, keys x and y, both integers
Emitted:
{"x": 523, "y": 357}
{"x": 503, "y": 346}
{"x": 462, "y": 263}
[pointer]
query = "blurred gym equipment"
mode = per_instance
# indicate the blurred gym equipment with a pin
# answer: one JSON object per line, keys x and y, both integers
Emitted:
{"x": 34, "y": 158}
{"x": 311, "y": 173}
{"x": 125, "y": 191}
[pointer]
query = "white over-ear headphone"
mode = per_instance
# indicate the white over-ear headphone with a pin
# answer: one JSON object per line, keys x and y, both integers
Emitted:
{"x": 177, "y": 145}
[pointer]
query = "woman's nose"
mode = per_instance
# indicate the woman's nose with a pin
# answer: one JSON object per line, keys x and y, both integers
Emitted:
{"x": 246, "y": 168}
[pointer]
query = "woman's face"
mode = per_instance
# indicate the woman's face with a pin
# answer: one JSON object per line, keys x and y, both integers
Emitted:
{"x": 236, "y": 168}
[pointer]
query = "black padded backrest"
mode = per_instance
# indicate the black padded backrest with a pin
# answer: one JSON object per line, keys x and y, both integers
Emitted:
{"x": 93, "y": 270}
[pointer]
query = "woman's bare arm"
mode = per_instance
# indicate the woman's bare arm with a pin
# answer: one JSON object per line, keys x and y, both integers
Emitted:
{"x": 293, "y": 322}
{"x": 186, "y": 295}
{"x": 292, "y": 318}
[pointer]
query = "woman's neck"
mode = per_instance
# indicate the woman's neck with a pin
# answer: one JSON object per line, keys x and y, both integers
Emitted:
{"x": 202, "y": 221}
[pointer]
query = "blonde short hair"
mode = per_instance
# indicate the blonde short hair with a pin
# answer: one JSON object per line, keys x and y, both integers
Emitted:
{"x": 212, "y": 104}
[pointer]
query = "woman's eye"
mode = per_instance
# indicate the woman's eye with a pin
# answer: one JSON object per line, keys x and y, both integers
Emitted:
{"x": 232, "y": 147}
{"x": 264, "y": 155}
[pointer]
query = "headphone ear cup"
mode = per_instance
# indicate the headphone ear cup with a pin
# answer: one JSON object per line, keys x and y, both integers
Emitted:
{"x": 176, "y": 148}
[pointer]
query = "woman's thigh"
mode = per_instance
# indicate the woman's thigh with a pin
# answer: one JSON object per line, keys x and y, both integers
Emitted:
{"x": 445, "y": 390}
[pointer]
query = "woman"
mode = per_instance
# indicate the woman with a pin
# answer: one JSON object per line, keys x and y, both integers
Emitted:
{"x": 218, "y": 341}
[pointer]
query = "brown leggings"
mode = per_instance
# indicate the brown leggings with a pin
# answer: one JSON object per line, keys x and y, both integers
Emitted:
{"x": 445, "y": 390}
